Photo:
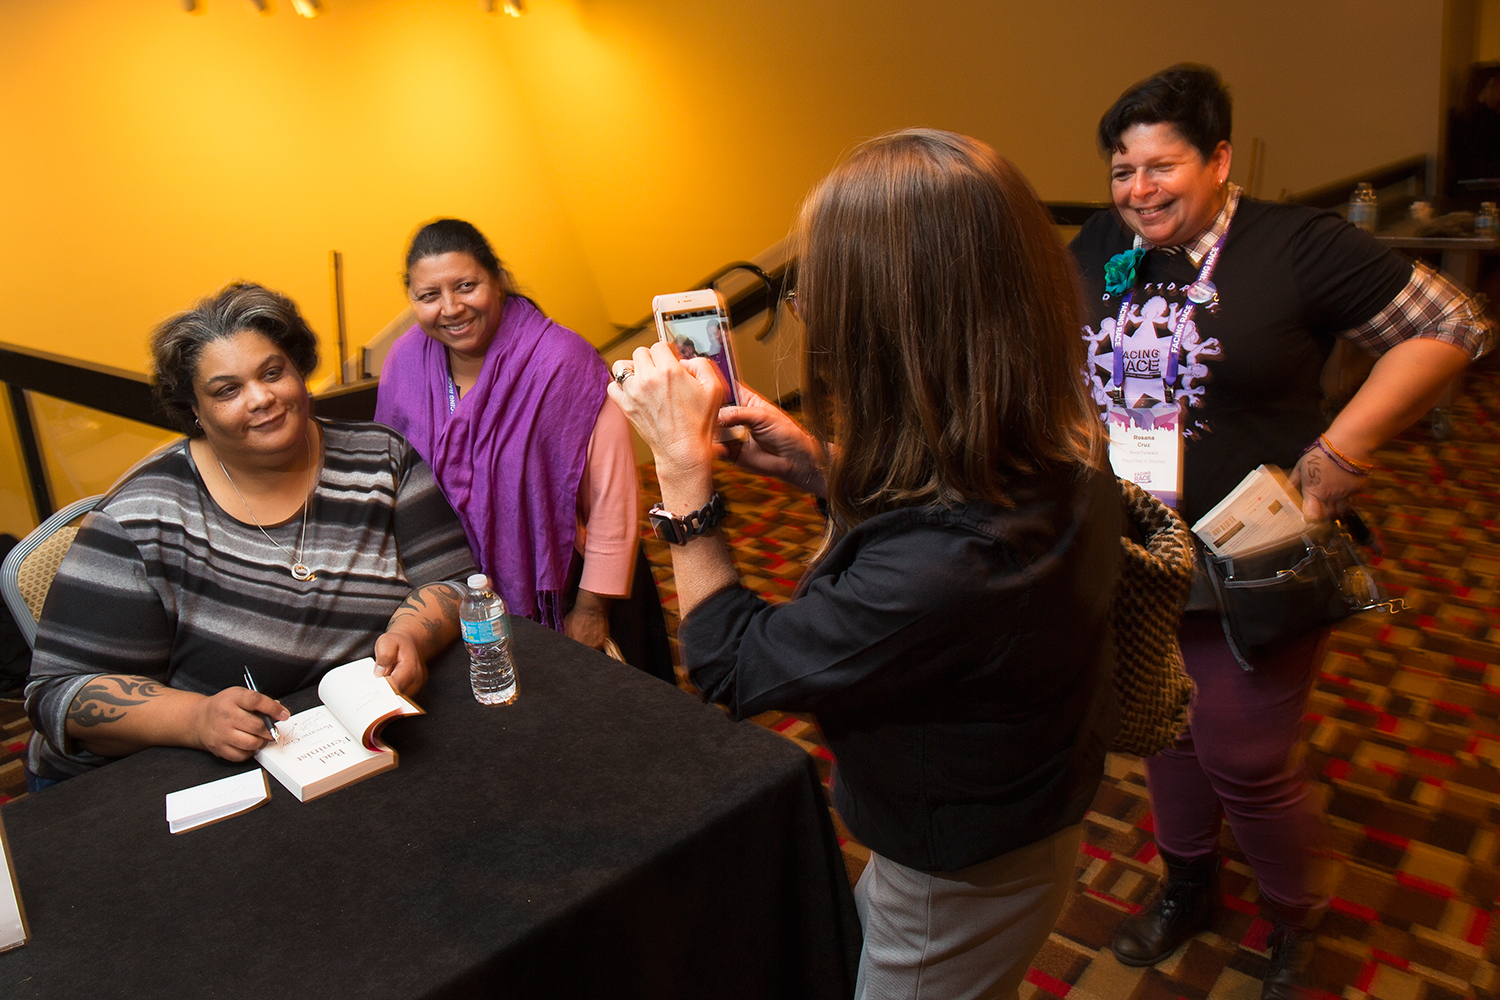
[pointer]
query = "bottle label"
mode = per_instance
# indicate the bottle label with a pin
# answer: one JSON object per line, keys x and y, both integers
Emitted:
{"x": 480, "y": 633}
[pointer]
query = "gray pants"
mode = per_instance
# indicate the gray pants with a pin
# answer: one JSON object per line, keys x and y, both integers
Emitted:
{"x": 965, "y": 934}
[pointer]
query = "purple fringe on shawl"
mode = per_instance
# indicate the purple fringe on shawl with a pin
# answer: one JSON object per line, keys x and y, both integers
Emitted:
{"x": 510, "y": 457}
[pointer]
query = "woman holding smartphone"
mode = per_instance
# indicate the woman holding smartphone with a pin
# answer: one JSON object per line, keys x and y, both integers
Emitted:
{"x": 953, "y": 633}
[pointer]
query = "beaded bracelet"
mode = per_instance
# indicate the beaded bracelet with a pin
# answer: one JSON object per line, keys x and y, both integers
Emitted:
{"x": 1338, "y": 458}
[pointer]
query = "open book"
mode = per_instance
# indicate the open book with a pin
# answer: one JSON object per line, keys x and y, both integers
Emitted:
{"x": 326, "y": 748}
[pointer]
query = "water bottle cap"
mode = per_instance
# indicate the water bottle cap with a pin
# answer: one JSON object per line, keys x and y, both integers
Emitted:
{"x": 478, "y": 581}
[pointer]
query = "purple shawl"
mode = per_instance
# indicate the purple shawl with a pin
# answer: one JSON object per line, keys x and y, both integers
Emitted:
{"x": 510, "y": 457}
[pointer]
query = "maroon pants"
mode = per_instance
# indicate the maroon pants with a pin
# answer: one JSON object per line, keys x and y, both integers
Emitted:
{"x": 1241, "y": 760}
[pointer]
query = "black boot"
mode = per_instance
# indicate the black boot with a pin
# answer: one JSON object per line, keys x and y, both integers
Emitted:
{"x": 1291, "y": 949}
{"x": 1185, "y": 905}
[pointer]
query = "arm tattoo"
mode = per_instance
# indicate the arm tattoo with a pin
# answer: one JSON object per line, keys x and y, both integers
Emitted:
{"x": 418, "y": 602}
{"x": 109, "y": 698}
{"x": 408, "y": 607}
{"x": 447, "y": 601}
{"x": 433, "y": 620}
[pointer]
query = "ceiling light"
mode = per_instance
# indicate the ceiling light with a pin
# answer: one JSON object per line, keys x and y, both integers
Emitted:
{"x": 307, "y": 8}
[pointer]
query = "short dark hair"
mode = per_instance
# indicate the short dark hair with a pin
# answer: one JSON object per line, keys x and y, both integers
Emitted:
{"x": 177, "y": 344}
{"x": 442, "y": 236}
{"x": 1189, "y": 97}
{"x": 942, "y": 354}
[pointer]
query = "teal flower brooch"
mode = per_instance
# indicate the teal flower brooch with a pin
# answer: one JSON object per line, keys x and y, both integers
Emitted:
{"x": 1119, "y": 270}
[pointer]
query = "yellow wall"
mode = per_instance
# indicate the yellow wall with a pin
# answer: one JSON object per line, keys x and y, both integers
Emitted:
{"x": 1487, "y": 35}
{"x": 685, "y": 132}
{"x": 149, "y": 156}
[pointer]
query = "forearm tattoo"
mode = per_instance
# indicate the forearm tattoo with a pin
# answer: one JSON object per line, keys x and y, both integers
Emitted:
{"x": 433, "y": 620}
{"x": 109, "y": 698}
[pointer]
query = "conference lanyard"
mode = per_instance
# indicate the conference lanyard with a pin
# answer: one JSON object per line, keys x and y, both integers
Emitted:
{"x": 1199, "y": 292}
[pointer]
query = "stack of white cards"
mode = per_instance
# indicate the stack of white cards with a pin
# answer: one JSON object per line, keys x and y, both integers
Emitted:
{"x": 1262, "y": 512}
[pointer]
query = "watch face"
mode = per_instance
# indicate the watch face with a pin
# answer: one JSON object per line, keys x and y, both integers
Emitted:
{"x": 678, "y": 530}
{"x": 667, "y": 527}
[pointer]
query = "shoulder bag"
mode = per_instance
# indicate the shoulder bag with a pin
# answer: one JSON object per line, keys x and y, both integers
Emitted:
{"x": 1287, "y": 591}
{"x": 1155, "y": 573}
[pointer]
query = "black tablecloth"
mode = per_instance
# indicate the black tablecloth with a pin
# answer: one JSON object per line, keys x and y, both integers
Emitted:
{"x": 605, "y": 836}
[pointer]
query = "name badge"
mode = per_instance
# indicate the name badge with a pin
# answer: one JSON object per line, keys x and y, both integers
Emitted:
{"x": 1145, "y": 447}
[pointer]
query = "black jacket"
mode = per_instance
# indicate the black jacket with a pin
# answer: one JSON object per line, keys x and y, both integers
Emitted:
{"x": 958, "y": 662}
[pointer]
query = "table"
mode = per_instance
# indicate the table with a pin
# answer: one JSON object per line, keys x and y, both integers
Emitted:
{"x": 1460, "y": 255}
{"x": 605, "y": 836}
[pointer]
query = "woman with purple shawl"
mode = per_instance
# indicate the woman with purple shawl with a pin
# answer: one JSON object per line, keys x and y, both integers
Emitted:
{"x": 509, "y": 409}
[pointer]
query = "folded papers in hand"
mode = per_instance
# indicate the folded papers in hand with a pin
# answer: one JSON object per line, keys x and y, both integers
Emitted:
{"x": 1263, "y": 512}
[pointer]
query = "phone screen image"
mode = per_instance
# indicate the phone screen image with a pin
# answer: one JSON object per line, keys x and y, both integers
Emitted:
{"x": 699, "y": 333}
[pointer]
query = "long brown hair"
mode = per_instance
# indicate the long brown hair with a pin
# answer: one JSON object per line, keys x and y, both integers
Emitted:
{"x": 943, "y": 356}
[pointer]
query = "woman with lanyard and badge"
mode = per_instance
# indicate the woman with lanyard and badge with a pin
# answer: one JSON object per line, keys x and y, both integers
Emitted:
{"x": 1209, "y": 317}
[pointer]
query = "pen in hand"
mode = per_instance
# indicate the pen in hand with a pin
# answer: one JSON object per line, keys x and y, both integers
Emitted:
{"x": 270, "y": 723}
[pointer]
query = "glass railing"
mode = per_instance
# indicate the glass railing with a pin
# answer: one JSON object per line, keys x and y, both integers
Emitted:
{"x": 83, "y": 452}
{"x": 70, "y": 428}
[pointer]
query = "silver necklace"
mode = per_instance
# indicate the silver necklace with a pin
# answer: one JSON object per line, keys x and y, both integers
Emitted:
{"x": 299, "y": 569}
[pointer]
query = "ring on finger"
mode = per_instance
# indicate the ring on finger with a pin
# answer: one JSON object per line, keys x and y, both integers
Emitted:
{"x": 622, "y": 371}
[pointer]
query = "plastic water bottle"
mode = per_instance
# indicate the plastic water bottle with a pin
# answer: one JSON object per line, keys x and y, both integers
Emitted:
{"x": 1487, "y": 221}
{"x": 481, "y": 617}
{"x": 1364, "y": 210}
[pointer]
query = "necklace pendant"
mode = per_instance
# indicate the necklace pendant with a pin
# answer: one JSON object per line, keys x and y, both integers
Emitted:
{"x": 301, "y": 572}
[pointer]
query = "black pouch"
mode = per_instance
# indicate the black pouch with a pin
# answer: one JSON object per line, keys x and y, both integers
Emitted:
{"x": 1281, "y": 593}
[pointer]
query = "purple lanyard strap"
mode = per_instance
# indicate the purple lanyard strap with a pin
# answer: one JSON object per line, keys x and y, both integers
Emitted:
{"x": 1179, "y": 328}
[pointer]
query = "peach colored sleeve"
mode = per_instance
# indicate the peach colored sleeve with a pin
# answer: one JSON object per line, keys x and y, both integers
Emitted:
{"x": 609, "y": 524}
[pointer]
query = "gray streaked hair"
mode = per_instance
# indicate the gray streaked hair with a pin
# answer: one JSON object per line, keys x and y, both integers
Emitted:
{"x": 177, "y": 344}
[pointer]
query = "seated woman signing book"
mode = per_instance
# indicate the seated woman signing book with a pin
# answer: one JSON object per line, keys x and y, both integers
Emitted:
{"x": 265, "y": 540}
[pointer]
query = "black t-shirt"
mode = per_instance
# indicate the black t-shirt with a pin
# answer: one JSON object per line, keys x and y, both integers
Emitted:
{"x": 1289, "y": 279}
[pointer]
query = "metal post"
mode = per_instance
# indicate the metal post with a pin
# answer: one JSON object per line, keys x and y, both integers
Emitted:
{"x": 336, "y": 275}
{"x": 31, "y": 454}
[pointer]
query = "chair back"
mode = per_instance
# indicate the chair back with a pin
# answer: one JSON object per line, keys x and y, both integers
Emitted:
{"x": 27, "y": 572}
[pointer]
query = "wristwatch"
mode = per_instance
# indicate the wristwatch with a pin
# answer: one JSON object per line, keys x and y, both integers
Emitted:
{"x": 678, "y": 530}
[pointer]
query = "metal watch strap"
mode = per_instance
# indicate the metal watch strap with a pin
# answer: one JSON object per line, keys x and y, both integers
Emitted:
{"x": 678, "y": 530}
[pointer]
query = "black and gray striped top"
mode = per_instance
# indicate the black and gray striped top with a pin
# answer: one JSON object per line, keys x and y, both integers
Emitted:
{"x": 163, "y": 583}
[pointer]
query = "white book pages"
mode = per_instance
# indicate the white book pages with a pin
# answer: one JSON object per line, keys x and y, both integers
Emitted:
{"x": 13, "y": 929}
{"x": 190, "y": 808}
{"x": 362, "y": 700}
{"x": 317, "y": 755}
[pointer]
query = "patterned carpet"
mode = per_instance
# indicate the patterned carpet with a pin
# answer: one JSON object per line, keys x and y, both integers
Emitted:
{"x": 1403, "y": 740}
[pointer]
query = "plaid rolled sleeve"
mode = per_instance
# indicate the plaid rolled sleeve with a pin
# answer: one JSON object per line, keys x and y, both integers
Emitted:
{"x": 1429, "y": 306}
